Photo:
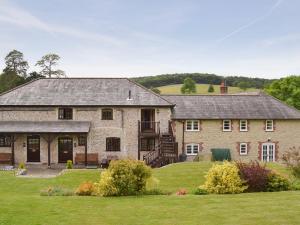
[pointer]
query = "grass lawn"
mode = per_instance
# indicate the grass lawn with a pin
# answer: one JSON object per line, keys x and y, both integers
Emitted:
{"x": 21, "y": 203}
{"x": 201, "y": 89}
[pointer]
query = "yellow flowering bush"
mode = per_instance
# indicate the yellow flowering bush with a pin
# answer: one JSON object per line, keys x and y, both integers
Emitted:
{"x": 224, "y": 179}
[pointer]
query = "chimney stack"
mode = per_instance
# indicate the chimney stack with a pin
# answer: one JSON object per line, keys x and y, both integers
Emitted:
{"x": 223, "y": 88}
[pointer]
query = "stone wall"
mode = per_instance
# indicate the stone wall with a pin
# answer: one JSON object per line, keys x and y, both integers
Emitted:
{"x": 124, "y": 125}
{"x": 285, "y": 135}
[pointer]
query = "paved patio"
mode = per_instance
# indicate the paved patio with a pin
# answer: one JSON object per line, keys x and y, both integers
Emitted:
{"x": 41, "y": 173}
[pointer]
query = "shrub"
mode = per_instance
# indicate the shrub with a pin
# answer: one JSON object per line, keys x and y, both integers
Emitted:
{"x": 276, "y": 182}
{"x": 292, "y": 159}
{"x": 123, "y": 177}
{"x": 181, "y": 191}
{"x": 85, "y": 188}
{"x": 22, "y": 166}
{"x": 224, "y": 179}
{"x": 295, "y": 186}
{"x": 56, "y": 191}
{"x": 255, "y": 175}
{"x": 155, "y": 191}
{"x": 200, "y": 191}
{"x": 69, "y": 164}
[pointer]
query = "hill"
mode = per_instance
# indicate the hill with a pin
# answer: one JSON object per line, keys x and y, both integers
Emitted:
{"x": 201, "y": 89}
{"x": 200, "y": 78}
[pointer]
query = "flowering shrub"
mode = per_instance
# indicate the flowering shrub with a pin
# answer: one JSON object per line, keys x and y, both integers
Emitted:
{"x": 85, "y": 188}
{"x": 181, "y": 191}
{"x": 292, "y": 159}
{"x": 276, "y": 182}
{"x": 224, "y": 179}
{"x": 255, "y": 175}
{"x": 123, "y": 177}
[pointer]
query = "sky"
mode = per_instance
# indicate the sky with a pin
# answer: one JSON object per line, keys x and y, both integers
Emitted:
{"x": 117, "y": 38}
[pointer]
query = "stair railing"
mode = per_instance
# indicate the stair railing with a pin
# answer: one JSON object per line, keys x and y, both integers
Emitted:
{"x": 150, "y": 156}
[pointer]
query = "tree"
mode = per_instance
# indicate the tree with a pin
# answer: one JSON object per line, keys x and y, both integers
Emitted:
{"x": 155, "y": 90}
{"x": 47, "y": 63}
{"x": 243, "y": 85}
{"x": 9, "y": 80}
{"x": 211, "y": 88}
{"x": 15, "y": 62}
{"x": 33, "y": 76}
{"x": 189, "y": 86}
{"x": 287, "y": 90}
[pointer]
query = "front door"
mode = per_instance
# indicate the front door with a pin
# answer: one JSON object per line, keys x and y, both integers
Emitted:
{"x": 65, "y": 149}
{"x": 268, "y": 152}
{"x": 33, "y": 148}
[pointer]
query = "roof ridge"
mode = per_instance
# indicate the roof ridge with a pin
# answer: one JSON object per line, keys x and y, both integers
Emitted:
{"x": 183, "y": 95}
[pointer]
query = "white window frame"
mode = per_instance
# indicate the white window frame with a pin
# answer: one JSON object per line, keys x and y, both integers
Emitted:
{"x": 269, "y": 129}
{"x": 225, "y": 130}
{"x": 244, "y": 145}
{"x": 192, "y": 145}
{"x": 193, "y": 122}
{"x": 268, "y": 149}
{"x": 246, "y": 125}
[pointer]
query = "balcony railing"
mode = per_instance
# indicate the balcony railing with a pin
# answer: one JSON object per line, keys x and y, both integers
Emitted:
{"x": 149, "y": 127}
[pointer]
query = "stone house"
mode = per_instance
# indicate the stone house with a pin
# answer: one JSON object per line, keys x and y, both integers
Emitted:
{"x": 86, "y": 120}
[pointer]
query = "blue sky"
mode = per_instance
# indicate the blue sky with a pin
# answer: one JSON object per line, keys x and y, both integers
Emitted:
{"x": 257, "y": 38}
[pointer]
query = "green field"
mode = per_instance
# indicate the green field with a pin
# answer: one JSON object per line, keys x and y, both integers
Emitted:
{"x": 21, "y": 202}
{"x": 201, "y": 89}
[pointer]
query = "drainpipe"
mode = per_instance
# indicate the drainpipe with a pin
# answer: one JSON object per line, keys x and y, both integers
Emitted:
{"x": 182, "y": 147}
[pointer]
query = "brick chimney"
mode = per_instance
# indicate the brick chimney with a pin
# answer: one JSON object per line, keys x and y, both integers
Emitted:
{"x": 223, "y": 88}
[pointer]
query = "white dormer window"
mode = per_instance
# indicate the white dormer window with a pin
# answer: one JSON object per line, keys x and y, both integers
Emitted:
{"x": 243, "y": 148}
{"x": 269, "y": 125}
{"x": 243, "y": 125}
{"x": 192, "y": 125}
{"x": 226, "y": 125}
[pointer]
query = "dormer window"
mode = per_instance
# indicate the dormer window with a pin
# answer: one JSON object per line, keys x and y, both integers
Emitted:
{"x": 269, "y": 125}
{"x": 65, "y": 113}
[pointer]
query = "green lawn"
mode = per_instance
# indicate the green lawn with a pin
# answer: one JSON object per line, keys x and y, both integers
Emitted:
{"x": 201, "y": 89}
{"x": 21, "y": 203}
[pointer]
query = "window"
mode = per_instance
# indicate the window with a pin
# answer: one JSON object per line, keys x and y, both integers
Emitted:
{"x": 81, "y": 140}
{"x": 147, "y": 144}
{"x": 113, "y": 144}
{"x": 226, "y": 125}
{"x": 65, "y": 113}
{"x": 269, "y": 125}
{"x": 192, "y": 125}
{"x": 5, "y": 141}
{"x": 107, "y": 114}
{"x": 243, "y": 148}
{"x": 192, "y": 149}
{"x": 243, "y": 125}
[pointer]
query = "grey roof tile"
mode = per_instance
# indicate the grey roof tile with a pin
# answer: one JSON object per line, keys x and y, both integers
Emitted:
{"x": 81, "y": 92}
{"x": 44, "y": 127}
{"x": 243, "y": 106}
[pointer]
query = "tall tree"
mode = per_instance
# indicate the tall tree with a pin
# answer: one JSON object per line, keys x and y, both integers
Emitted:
{"x": 15, "y": 62}
{"x": 287, "y": 90}
{"x": 47, "y": 63}
{"x": 211, "y": 88}
{"x": 189, "y": 86}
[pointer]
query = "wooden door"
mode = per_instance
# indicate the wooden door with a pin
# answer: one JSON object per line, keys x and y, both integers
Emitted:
{"x": 65, "y": 149}
{"x": 33, "y": 148}
{"x": 148, "y": 119}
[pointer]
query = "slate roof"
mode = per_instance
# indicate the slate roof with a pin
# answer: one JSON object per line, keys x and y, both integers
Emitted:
{"x": 251, "y": 106}
{"x": 44, "y": 127}
{"x": 81, "y": 92}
